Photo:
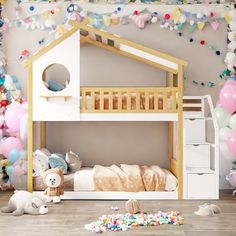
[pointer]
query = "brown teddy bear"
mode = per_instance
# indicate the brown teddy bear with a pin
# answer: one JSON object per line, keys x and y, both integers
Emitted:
{"x": 53, "y": 179}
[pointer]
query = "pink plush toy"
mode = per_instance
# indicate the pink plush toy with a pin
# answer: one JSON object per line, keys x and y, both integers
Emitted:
{"x": 141, "y": 19}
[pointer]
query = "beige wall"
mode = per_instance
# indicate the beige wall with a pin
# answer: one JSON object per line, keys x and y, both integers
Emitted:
{"x": 129, "y": 142}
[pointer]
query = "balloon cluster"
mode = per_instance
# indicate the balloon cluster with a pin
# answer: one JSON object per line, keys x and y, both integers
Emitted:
{"x": 13, "y": 130}
{"x": 13, "y": 144}
{"x": 225, "y": 113}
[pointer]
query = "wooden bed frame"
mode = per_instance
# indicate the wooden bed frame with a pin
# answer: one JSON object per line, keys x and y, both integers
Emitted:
{"x": 174, "y": 89}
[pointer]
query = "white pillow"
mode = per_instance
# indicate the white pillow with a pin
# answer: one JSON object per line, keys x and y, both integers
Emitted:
{"x": 40, "y": 162}
{"x": 73, "y": 161}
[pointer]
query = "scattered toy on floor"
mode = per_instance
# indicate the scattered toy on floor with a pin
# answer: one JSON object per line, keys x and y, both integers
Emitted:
{"x": 53, "y": 179}
{"x": 208, "y": 210}
{"x": 23, "y": 202}
{"x": 123, "y": 222}
{"x": 115, "y": 208}
{"x": 132, "y": 206}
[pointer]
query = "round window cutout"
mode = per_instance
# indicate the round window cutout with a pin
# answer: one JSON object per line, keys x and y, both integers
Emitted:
{"x": 56, "y": 77}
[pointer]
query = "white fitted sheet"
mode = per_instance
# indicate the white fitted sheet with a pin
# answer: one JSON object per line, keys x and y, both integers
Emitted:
{"x": 83, "y": 180}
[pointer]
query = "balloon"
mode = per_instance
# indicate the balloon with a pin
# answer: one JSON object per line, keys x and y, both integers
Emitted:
{"x": 224, "y": 133}
{"x": 23, "y": 129}
{"x": 9, "y": 170}
{"x": 222, "y": 117}
{"x": 18, "y": 171}
{"x": 232, "y": 122}
{"x": 224, "y": 150}
{"x": 232, "y": 142}
{"x": 23, "y": 154}
{"x": 14, "y": 155}
{"x": 218, "y": 104}
{"x": 1, "y": 120}
{"x": 13, "y": 116}
{"x": 228, "y": 97}
{"x": 10, "y": 143}
{"x": 19, "y": 182}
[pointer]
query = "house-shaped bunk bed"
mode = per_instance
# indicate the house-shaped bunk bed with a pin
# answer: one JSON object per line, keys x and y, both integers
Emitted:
{"x": 75, "y": 103}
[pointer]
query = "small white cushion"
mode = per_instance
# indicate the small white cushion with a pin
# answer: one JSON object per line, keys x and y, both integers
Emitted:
{"x": 73, "y": 161}
{"x": 40, "y": 162}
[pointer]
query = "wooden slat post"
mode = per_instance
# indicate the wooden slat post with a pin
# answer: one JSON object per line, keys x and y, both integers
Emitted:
{"x": 101, "y": 96}
{"x": 180, "y": 132}
{"x": 128, "y": 100}
{"x": 119, "y": 94}
{"x": 137, "y": 100}
{"x": 92, "y": 101}
{"x": 170, "y": 78}
{"x": 146, "y": 97}
{"x": 110, "y": 101}
{"x": 30, "y": 129}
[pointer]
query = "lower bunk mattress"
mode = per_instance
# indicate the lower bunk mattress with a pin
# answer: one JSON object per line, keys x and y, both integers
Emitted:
{"x": 100, "y": 178}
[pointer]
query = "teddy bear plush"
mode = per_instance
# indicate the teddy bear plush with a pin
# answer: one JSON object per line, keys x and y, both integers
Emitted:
{"x": 23, "y": 202}
{"x": 53, "y": 179}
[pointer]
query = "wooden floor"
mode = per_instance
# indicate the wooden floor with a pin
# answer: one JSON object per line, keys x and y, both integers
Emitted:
{"x": 69, "y": 217}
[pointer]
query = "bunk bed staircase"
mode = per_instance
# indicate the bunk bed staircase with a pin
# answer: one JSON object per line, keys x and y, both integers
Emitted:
{"x": 201, "y": 152}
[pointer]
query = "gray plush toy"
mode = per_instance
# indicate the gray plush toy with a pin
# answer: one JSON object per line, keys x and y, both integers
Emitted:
{"x": 23, "y": 202}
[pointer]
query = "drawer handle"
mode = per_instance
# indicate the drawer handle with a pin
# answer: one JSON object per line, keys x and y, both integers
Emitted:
{"x": 196, "y": 145}
{"x": 192, "y": 119}
{"x": 200, "y": 173}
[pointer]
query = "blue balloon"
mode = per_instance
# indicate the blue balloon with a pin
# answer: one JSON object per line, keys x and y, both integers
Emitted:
{"x": 14, "y": 155}
{"x": 9, "y": 170}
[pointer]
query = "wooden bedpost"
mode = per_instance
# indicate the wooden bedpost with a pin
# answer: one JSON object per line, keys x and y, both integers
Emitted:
{"x": 170, "y": 83}
{"x": 180, "y": 132}
{"x": 30, "y": 130}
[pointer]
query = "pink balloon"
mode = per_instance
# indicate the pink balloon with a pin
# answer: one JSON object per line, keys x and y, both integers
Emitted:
{"x": 218, "y": 104}
{"x": 228, "y": 97}
{"x": 10, "y": 143}
{"x": 230, "y": 83}
{"x": 17, "y": 171}
{"x": 13, "y": 116}
{"x": 232, "y": 142}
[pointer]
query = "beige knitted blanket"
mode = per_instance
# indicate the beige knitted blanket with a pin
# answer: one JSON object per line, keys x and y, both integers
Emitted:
{"x": 129, "y": 178}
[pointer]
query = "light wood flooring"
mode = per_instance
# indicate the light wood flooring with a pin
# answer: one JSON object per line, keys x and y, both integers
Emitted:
{"x": 69, "y": 218}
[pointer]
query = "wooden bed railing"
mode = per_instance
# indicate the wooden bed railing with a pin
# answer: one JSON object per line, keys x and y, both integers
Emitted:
{"x": 128, "y": 99}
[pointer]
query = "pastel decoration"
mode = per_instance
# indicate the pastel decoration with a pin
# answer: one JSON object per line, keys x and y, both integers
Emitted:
{"x": 23, "y": 154}
{"x": 232, "y": 25}
{"x": 224, "y": 133}
{"x": 191, "y": 22}
{"x": 231, "y": 143}
{"x": 182, "y": 19}
{"x": 167, "y": 16}
{"x": 141, "y": 19}
{"x": 232, "y": 45}
{"x": 23, "y": 129}
{"x": 200, "y": 25}
{"x": 13, "y": 116}
{"x": 9, "y": 170}
{"x": 176, "y": 15}
{"x": 215, "y": 25}
{"x": 58, "y": 162}
{"x": 18, "y": 171}
{"x": 225, "y": 152}
{"x": 192, "y": 28}
{"x": 222, "y": 117}
{"x": 232, "y": 122}
{"x": 228, "y": 98}
{"x": 13, "y": 156}
{"x": 106, "y": 20}
{"x": 125, "y": 20}
{"x": 10, "y": 143}
{"x": 1, "y": 120}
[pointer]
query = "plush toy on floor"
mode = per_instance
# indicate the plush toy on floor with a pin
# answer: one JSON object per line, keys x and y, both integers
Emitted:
{"x": 208, "y": 210}
{"x": 23, "y": 202}
{"x": 132, "y": 206}
{"x": 53, "y": 179}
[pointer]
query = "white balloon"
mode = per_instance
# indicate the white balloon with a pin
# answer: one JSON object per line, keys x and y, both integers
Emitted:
{"x": 222, "y": 117}
{"x": 23, "y": 129}
{"x": 232, "y": 25}
{"x": 231, "y": 36}
{"x": 232, "y": 122}
{"x": 232, "y": 45}
{"x": 224, "y": 151}
{"x": 23, "y": 154}
{"x": 199, "y": 15}
{"x": 224, "y": 133}
{"x": 230, "y": 58}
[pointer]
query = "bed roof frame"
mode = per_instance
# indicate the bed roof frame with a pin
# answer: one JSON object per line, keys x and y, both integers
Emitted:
{"x": 171, "y": 65}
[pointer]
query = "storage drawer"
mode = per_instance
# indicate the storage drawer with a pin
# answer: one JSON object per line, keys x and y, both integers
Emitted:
{"x": 197, "y": 155}
{"x": 201, "y": 186}
{"x": 195, "y": 130}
